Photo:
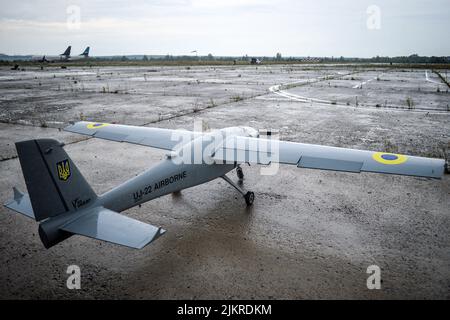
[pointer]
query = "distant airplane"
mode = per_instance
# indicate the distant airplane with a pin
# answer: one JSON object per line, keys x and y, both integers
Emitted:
{"x": 83, "y": 55}
{"x": 63, "y": 57}
{"x": 255, "y": 61}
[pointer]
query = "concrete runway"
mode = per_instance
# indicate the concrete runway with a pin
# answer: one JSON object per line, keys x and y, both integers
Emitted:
{"x": 309, "y": 235}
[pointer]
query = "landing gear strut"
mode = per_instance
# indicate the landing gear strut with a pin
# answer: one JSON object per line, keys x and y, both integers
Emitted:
{"x": 240, "y": 173}
{"x": 249, "y": 196}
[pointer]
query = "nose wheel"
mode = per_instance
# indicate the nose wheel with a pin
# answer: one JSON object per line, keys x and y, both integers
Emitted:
{"x": 249, "y": 198}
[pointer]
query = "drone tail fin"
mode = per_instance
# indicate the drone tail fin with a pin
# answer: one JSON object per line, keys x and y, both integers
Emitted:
{"x": 61, "y": 198}
{"x": 54, "y": 183}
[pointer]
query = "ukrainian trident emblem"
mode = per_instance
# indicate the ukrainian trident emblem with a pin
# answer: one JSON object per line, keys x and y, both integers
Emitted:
{"x": 63, "y": 170}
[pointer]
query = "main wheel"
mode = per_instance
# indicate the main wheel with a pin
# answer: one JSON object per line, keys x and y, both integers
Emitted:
{"x": 240, "y": 173}
{"x": 249, "y": 198}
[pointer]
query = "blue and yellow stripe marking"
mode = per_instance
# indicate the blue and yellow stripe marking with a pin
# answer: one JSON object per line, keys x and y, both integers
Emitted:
{"x": 389, "y": 158}
{"x": 96, "y": 125}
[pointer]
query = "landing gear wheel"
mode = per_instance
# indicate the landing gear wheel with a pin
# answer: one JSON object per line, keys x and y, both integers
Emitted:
{"x": 249, "y": 198}
{"x": 240, "y": 173}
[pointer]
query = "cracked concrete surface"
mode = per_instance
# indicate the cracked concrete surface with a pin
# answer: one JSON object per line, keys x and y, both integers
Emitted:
{"x": 310, "y": 234}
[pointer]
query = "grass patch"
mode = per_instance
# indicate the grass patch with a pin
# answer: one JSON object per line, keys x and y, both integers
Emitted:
{"x": 237, "y": 98}
{"x": 410, "y": 103}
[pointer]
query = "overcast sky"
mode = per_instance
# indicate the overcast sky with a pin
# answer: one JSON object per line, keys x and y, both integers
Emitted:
{"x": 228, "y": 27}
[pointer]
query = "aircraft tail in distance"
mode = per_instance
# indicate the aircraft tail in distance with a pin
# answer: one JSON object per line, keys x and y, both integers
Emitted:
{"x": 85, "y": 52}
{"x": 67, "y": 52}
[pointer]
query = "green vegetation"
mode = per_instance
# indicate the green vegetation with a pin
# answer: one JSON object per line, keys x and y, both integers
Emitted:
{"x": 236, "y": 98}
{"x": 413, "y": 61}
{"x": 212, "y": 104}
{"x": 390, "y": 147}
{"x": 410, "y": 103}
{"x": 139, "y": 63}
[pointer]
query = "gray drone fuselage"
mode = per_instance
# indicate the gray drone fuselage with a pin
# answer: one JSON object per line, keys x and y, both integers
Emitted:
{"x": 172, "y": 174}
{"x": 162, "y": 179}
{"x": 64, "y": 203}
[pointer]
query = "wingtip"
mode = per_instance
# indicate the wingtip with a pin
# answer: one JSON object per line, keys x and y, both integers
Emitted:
{"x": 71, "y": 124}
{"x": 158, "y": 233}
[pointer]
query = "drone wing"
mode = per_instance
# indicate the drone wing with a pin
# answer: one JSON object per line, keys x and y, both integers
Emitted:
{"x": 103, "y": 224}
{"x": 165, "y": 139}
{"x": 265, "y": 151}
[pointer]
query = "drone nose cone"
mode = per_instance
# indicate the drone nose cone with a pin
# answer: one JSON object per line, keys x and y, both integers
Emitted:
{"x": 251, "y": 132}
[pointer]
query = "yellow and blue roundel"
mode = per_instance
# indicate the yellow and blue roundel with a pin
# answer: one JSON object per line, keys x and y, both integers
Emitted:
{"x": 389, "y": 158}
{"x": 96, "y": 125}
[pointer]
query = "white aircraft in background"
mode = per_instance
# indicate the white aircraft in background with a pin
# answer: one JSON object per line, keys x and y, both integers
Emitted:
{"x": 255, "y": 61}
{"x": 82, "y": 56}
{"x": 63, "y": 57}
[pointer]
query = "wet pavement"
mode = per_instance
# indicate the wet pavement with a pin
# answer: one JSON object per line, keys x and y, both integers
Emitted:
{"x": 309, "y": 234}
